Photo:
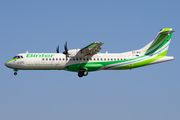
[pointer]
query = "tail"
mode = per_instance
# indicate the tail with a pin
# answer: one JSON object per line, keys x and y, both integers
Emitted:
{"x": 160, "y": 44}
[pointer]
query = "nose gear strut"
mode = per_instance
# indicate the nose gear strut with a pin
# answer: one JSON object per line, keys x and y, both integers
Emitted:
{"x": 15, "y": 73}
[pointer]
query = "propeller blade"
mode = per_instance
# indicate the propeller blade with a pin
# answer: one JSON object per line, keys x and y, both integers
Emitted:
{"x": 66, "y": 50}
{"x": 57, "y": 49}
{"x": 65, "y": 47}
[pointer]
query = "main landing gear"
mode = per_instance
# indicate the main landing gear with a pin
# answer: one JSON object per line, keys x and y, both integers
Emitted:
{"x": 82, "y": 72}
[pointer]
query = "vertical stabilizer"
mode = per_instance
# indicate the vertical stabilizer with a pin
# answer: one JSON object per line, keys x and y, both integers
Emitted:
{"x": 160, "y": 43}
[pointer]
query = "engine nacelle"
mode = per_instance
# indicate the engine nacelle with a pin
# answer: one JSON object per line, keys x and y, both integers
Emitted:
{"x": 75, "y": 52}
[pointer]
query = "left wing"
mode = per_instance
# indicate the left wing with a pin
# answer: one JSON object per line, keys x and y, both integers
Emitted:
{"x": 92, "y": 49}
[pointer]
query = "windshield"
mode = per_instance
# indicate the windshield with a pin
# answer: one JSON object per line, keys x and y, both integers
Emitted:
{"x": 17, "y": 56}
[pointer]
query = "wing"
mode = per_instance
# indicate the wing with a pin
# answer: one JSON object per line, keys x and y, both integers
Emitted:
{"x": 92, "y": 49}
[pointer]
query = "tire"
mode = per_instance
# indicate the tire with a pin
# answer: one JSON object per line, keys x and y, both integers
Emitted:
{"x": 85, "y": 73}
{"x": 15, "y": 73}
{"x": 80, "y": 74}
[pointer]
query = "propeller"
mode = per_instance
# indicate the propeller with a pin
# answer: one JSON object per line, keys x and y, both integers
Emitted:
{"x": 66, "y": 50}
{"x": 57, "y": 49}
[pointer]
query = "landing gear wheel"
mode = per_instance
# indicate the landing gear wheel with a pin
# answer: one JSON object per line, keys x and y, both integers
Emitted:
{"x": 85, "y": 73}
{"x": 15, "y": 73}
{"x": 80, "y": 74}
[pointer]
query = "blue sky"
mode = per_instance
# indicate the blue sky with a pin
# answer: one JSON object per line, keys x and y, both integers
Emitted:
{"x": 150, "y": 92}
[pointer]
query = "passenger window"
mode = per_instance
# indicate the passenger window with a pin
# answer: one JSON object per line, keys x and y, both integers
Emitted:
{"x": 76, "y": 59}
{"x": 94, "y": 59}
{"x": 79, "y": 58}
{"x": 46, "y": 58}
{"x": 50, "y": 59}
{"x": 87, "y": 59}
{"x": 56, "y": 59}
{"x": 63, "y": 59}
{"x": 108, "y": 59}
{"x": 84, "y": 59}
{"x": 21, "y": 56}
{"x": 43, "y": 59}
{"x": 53, "y": 59}
{"x": 101, "y": 59}
{"x": 59, "y": 59}
{"x": 114, "y": 59}
{"x": 111, "y": 59}
{"x": 97, "y": 59}
{"x": 104, "y": 59}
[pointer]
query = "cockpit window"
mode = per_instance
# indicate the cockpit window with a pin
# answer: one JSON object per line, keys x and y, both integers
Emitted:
{"x": 17, "y": 56}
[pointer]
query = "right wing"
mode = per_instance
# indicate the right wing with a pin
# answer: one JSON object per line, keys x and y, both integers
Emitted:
{"x": 92, "y": 49}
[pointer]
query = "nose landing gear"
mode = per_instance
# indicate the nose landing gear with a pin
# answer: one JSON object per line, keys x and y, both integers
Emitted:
{"x": 15, "y": 73}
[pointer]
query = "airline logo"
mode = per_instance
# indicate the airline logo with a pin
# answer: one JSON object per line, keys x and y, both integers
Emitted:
{"x": 39, "y": 55}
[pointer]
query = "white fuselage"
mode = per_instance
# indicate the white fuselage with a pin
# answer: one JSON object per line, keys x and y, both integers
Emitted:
{"x": 59, "y": 60}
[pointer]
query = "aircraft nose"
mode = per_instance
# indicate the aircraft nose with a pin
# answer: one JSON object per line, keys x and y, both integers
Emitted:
{"x": 6, "y": 64}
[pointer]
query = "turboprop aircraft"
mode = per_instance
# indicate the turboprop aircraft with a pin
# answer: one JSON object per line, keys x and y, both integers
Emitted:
{"x": 89, "y": 59}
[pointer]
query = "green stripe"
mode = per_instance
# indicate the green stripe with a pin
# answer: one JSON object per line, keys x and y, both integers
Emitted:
{"x": 91, "y": 66}
{"x": 161, "y": 37}
{"x": 160, "y": 46}
{"x": 93, "y": 45}
{"x": 166, "y": 29}
{"x": 12, "y": 60}
{"x": 142, "y": 63}
{"x": 146, "y": 62}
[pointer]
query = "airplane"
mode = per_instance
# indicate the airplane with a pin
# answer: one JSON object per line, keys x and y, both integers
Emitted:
{"x": 89, "y": 59}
